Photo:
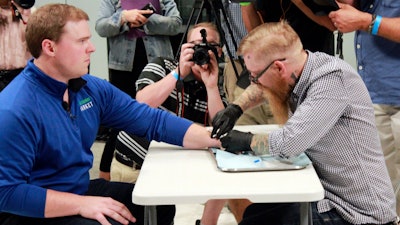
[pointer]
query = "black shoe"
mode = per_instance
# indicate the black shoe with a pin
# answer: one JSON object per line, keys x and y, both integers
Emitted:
{"x": 198, "y": 222}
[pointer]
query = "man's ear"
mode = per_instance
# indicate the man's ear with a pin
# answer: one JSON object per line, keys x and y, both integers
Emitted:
{"x": 280, "y": 66}
{"x": 48, "y": 47}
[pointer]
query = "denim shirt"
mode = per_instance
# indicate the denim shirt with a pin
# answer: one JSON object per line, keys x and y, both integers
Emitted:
{"x": 122, "y": 48}
{"x": 378, "y": 59}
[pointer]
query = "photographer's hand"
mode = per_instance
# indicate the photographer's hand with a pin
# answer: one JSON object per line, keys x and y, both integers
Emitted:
{"x": 185, "y": 59}
{"x": 209, "y": 72}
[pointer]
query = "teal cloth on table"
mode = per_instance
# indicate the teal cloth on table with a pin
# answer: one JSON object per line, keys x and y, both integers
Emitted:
{"x": 242, "y": 161}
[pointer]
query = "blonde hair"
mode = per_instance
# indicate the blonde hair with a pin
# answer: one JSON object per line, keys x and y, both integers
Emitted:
{"x": 271, "y": 41}
{"x": 206, "y": 25}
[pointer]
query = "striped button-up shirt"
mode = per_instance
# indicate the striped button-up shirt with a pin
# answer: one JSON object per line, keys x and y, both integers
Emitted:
{"x": 332, "y": 121}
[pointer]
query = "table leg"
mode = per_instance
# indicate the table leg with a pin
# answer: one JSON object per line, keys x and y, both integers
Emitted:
{"x": 305, "y": 213}
{"x": 150, "y": 215}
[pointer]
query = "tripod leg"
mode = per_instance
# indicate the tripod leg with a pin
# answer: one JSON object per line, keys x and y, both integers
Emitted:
{"x": 215, "y": 5}
{"x": 197, "y": 6}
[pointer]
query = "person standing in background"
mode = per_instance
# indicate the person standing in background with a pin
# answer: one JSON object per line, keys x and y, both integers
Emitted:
{"x": 13, "y": 52}
{"x": 377, "y": 47}
{"x": 134, "y": 38}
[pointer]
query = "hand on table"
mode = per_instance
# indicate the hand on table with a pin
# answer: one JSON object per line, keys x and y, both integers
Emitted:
{"x": 237, "y": 141}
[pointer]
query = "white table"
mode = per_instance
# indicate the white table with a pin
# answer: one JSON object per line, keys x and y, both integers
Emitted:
{"x": 171, "y": 175}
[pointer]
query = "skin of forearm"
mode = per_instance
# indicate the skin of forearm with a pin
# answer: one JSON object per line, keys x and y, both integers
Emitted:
{"x": 252, "y": 97}
{"x": 250, "y": 17}
{"x": 215, "y": 103}
{"x": 155, "y": 94}
{"x": 66, "y": 208}
{"x": 390, "y": 29}
{"x": 260, "y": 144}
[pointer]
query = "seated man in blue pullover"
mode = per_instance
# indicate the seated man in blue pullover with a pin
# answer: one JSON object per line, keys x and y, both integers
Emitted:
{"x": 49, "y": 117}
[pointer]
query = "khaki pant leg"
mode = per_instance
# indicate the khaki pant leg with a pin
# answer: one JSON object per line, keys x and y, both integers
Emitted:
{"x": 122, "y": 173}
{"x": 230, "y": 78}
{"x": 257, "y": 115}
{"x": 388, "y": 124}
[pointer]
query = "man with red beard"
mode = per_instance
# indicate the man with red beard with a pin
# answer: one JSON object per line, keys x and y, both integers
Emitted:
{"x": 326, "y": 112}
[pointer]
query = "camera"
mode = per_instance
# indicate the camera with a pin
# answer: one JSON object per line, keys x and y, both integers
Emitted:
{"x": 200, "y": 55}
{"x": 25, "y": 4}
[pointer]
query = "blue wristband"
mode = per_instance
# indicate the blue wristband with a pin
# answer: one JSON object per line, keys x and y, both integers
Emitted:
{"x": 175, "y": 74}
{"x": 377, "y": 23}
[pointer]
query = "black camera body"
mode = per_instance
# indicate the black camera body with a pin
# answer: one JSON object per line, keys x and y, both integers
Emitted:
{"x": 25, "y": 4}
{"x": 200, "y": 55}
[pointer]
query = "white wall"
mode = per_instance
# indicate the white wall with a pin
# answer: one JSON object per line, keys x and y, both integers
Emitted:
{"x": 98, "y": 66}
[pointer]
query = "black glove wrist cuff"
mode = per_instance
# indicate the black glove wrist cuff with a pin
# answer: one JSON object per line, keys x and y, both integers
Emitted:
{"x": 237, "y": 108}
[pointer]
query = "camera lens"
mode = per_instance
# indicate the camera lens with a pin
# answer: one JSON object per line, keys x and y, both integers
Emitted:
{"x": 200, "y": 56}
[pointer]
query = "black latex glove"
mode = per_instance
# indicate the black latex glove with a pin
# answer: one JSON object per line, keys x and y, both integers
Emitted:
{"x": 237, "y": 141}
{"x": 225, "y": 119}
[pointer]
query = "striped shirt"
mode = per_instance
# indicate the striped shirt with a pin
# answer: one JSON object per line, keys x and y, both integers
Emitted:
{"x": 332, "y": 121}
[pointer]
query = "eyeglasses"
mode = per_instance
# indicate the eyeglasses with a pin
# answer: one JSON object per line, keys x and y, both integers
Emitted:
{"x": 255, "y": 78}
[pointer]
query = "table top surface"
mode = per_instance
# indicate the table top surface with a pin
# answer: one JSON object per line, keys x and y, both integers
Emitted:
{"x": 173, "y": 175}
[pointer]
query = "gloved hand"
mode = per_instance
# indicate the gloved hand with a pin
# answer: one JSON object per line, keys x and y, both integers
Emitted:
{"x": 237, "y": 141}
{"x": 225, "y": 119}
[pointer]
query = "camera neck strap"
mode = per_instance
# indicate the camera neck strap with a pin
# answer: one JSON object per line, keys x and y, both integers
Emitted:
{"x": 16, "y": 13}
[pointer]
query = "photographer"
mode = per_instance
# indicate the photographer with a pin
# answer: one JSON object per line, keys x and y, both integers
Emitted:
{"x": 13, "y": 52}
{"x": 198, "y": 99}
{"x": 188, "y": 90}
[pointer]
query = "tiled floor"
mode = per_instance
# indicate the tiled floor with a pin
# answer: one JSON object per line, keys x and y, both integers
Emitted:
{"x": 185, "y": 214}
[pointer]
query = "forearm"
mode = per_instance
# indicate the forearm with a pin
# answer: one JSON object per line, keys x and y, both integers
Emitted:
{"x": 390, "y": 29}
{"x": 321, "y": 20}
{"x": 260, "y": 144}
{"x": 251, "y": 97}
{"x": 62, "y": 204}
{"x": 155, "y": 94}
{"x": 250, "y": 17}
{"x": 198, "y": 137}
{"x": 214, "y": 103}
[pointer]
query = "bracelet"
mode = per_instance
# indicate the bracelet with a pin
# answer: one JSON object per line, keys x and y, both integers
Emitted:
{"x": 244, "y": 3}
{"x": 176, "y": 75}
{"x": 376, "y": 25}
{"x": 371, "y": 25}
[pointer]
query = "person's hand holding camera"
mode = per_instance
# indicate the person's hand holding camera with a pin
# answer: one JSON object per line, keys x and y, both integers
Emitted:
{"x": 237, "y": 142}
{"x": 185, "y": 60}
{"x": 225, "y": 120}
{"x": 209, "y": 71}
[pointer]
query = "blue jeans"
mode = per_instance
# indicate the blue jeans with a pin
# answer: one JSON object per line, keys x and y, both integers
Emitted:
{"x": 287, "y": 214}
{"x": 121, "y": 192}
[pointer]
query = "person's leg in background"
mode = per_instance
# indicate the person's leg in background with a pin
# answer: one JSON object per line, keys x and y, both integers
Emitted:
{"x": 287, "y": 213}
{"x": 388, "y": 123}
{"x": 123, "y": 173}
{"x": 258, "y": 115}
{"x": 230, "y": 78}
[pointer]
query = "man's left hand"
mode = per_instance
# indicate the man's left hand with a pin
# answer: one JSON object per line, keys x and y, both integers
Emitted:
{"x": 237, "y": 141}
